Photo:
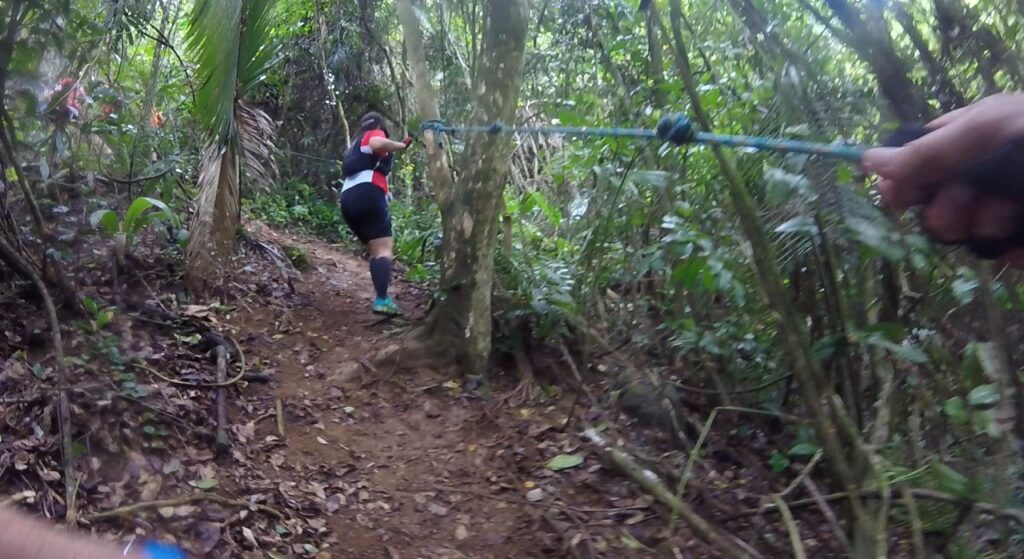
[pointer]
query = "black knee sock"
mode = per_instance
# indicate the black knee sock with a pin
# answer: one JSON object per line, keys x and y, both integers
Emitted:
{"x": 380, "y": 272}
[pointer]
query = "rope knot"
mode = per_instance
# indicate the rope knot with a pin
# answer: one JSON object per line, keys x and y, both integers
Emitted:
{"x": 677, "y": 129}
{"x": 436, "y": 125}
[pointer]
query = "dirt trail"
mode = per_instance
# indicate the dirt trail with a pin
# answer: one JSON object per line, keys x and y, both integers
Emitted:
{"x": 410, "y": 466}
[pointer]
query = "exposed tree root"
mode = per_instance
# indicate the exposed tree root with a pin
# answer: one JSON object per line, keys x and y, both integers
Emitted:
{"x": 648, "y": 480}
{"x": 528, "y": 390}
{"x": 419, "y": 348}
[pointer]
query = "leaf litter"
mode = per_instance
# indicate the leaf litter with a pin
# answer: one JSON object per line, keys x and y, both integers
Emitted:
{"x": 408, "y": 472}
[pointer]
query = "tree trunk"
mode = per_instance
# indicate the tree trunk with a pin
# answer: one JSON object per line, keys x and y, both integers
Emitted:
{"x": 438, "y": 167}
{"x": 328, "y": 75}
{"x": 946, "y": 92}
{"x": 398, "y": 84}
{"x": 142, "y": 141}
{"x": 959, "y": 26}
{"x": 656, "y": 59}
{"x": 470, "y": 208}
{"x": 870, "y": 38}
{"x": 470, "y": 217}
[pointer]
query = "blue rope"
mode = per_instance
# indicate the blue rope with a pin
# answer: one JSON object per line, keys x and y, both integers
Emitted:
{"x": 677, "y": 129}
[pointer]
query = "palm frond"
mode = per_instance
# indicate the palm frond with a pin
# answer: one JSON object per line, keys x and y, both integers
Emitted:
{"x": 256, "y": 138}
{"x": 257, "y": 47}
{"x": 214, "y": 40}
{"x": 217, "y": 216}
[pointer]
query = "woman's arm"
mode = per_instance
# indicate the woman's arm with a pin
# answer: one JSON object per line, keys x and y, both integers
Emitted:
{"x": 380, "y": 144}
{"x": 24, "y": 538}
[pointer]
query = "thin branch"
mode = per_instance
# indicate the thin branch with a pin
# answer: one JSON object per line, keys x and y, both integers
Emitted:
{"x": 794, "y": 531}
{"x": 177, "y": 502}
{"x": 177, "y": 382}
{"x": 1013, "y": 515}
{"x": 18, "y": 264}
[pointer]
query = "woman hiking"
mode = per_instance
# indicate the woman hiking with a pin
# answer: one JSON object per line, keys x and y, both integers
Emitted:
{"x": 364, "y": 201}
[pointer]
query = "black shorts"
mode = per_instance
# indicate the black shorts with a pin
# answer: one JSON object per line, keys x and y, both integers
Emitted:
{"x": 365, "y": 209}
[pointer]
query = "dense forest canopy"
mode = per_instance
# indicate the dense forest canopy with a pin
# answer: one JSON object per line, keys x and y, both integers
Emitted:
{"x": 805, "y": 373}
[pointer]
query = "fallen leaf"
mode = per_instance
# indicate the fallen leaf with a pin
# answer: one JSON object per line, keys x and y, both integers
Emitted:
{"x": 209, "y": 537}
{"x": 564, "y": 462}
{"x": 250, "y": 537}
{"x": 204, "y": 483}
{"x": 321, "y": 440}
{"x": 334, "y": 503}
{"x": 151, "y": 488}
{"x": 437, "y": 509}
{"x": 431, "y": 409}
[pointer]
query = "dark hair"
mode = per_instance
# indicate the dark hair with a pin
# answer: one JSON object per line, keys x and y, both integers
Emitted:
{"x": 372, "y": 121}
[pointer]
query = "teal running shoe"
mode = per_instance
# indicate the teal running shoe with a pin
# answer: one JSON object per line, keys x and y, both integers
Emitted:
{"x": 386, "y": 307}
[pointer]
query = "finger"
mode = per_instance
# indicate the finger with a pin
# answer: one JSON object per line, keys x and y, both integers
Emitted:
{"x": 962, "y": 140}
{"x": 948, "y": 117}
{"x": 897, "y": 197}
{"x": 949, "y": 216}
{"x": 995, "y": 218}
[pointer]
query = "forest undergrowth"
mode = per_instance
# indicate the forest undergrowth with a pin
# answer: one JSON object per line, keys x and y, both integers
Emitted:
{"x": 611, "y": 347}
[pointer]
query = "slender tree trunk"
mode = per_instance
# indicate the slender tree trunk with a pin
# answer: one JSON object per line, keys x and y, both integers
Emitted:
{"x": 328, "y": 76}
{"x": 656, "y": 58}
{"x": 142, "y": 141}
{"x": 398, "y": 83}
{"x": 870, "y": 39}
{"x": 946, "y": 92}
{"x": 438, "y": 167}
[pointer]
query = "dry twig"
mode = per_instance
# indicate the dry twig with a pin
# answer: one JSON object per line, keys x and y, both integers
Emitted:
{"x": 179, "y": 501}
{"x": 234, "y": 380}
{"x": 650, "y": 483}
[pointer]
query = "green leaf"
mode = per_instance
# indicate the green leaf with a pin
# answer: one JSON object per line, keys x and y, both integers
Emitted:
{"x": 537, "y": 200}
{"x": 104, "y": 318}
{"x": 781, "y": 185}
{"x": 660, "y": 179}
{"x": 903, "y": 351}
{"x": 798, "y": 225}
{"x": 213, "y": 40}
{"x": 956, "y": 411}
{"x": 564, "y": 462}
{"x": 985, "y": 396}
{"x": 949, "y": 480}
{"x": 105, "y": 221}
{"x": 828, "y": 346}
{"x": 803, "y": 449}
{"x": 205, "y": 483}
{"x": 877, "y": 236}
{"x": 778, "y": 462}
{"x": 91, "y": 305}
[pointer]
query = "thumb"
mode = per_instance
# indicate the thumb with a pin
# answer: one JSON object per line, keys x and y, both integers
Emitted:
{"x": 902, "y": 177}
{"x": 888, "y": 163}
